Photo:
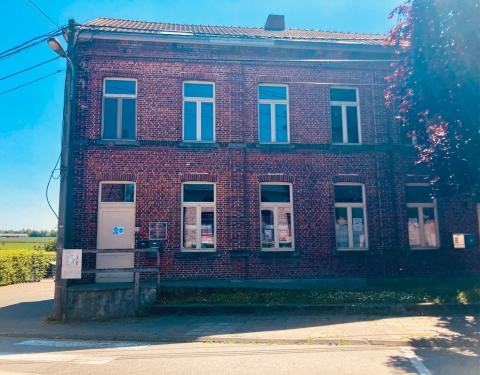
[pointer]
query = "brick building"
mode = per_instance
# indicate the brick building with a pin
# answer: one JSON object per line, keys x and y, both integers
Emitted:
{"x": 268, "y": 152}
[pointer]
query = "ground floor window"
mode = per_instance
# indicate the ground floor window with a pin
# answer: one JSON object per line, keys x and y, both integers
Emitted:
{"x": 198, "y": 216}
{"x": 276, "y": 216}
{"x": 350, "y": 223}
{"x": 422, "y": 216}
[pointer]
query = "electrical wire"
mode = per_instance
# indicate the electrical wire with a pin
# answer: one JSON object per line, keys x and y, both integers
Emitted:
{"x": 38, "y": 9}
{"x": 50, "y": 180}
{"x": 29, "y": 83}
{"x": 32, "y": 67}
{"x": 45, "y": 36}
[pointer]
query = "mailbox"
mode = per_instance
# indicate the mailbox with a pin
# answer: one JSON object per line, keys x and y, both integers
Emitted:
{"x": 464, "y": 240}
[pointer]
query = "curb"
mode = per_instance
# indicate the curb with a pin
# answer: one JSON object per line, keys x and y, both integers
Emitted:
{"x": 154, "y": 339}
{"x": 404, "y": 309}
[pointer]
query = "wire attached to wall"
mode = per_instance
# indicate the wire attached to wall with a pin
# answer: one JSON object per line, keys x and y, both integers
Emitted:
{"x": 50, "y": 180}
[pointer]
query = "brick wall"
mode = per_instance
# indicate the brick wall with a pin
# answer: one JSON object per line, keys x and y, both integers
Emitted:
{"x": 161, "y": 163}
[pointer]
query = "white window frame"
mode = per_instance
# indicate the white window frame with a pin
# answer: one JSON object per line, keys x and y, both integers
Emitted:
{"x": 120, "y": 105}
{"x": 349, "y": 207}
{"x": 198, "y": 101}
{"x": 344, "y": 106}
{"x": 198, "y": 223}
{"x": 420, "y": 207}
{"x": 272, "y": 102}
{"x": 276, "y": 205}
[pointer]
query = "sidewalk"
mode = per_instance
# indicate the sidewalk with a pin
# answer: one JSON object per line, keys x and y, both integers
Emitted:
{"x": 24, "y": 306}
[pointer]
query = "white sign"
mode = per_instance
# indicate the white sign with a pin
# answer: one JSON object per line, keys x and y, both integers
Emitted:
{"x": 71, "y": 264}
{"x": 357, "y": 224}
{"x": 118, "y": 230}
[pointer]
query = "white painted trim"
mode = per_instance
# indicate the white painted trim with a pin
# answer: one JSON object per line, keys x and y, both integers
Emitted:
{"x": 273, "y": 102}
{"x": 344, "y": 105}
{"x": 198, "y": 101}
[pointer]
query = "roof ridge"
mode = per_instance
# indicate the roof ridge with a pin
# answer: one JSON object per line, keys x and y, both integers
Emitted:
{"x": 233, "y": 27}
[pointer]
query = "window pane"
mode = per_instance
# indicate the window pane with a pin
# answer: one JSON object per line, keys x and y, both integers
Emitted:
{"x": 129, "y": 193}
{"x": 275, "y": 193}
{"x": 358, "y": 227}
{"x": 198, "y": 90}
{"x": 198, "y": 193}
{"x": 285, "y": 227}
{"x": 113, "y": 86}
{"x": 418, "y": 194}
{"x": 208, "y": 227}
{"x": 110, "y": 111}
{"x": 343, "y": 95}
{"x": 118, "y": 193}
{"x": 128, "y": 118}
{"x": 341, "y": 226}
{"x": 281, "y": 125}
{"x": 272, "y": 92}
{"x": 265, "y": 125}
{"x": 429, "y": 227}
{"x": 190, "y": 121}
{"x": 190, "y": 227}
{"x": 337, "y": 128}
{"x": 348, "y": 193}
{"x": 413, "y": 227}
{"x": 352, "y": 125}
{"x": 268, "y": 227}
{"x": 207, "y": 121}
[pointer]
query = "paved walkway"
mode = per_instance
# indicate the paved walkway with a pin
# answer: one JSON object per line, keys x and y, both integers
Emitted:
{"x": 23, "y": 308}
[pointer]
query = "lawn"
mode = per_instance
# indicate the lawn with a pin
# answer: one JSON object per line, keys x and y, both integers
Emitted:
{"x": 392, "y": 292}
{"x": 30, "y": 243}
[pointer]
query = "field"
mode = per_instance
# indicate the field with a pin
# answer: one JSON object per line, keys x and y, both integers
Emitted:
{"x": 30, "y": 243}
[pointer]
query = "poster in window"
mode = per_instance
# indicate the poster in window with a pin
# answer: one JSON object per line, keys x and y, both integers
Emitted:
{"x": 158, "y": 230}
{"x": 413, "y": 232}
{"x": 357, "y": 224}
{"x": 268, "y": 235}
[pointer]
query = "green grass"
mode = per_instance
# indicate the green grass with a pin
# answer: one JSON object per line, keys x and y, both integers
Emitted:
{"x": 30, "y": 243}
{"x": 406, "y": 292}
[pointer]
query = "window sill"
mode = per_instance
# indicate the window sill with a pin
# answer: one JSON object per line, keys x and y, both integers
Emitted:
{"x": 193, "y": 144}
{"x": 277, "y": 254}
{"x": 342, "y": 249}
{"x": 197, "y": 254}
{"x": 424, "y": 248}
{"x": 117, "y": 142}
{"x": 275, "y": 145}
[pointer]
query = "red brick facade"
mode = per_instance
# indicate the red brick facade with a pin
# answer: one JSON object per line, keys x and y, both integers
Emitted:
{"x": 159, "y": 162}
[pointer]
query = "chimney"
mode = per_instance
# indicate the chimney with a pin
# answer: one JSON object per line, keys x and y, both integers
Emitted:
{"x": 275, "y": 22}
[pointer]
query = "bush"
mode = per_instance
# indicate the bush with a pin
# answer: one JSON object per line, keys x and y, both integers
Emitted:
{"x": 51, "y": 245}
{"x": 20, "y": 265}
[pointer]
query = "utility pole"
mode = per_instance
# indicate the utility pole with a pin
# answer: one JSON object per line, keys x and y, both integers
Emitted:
{"x": 65, "y": 210}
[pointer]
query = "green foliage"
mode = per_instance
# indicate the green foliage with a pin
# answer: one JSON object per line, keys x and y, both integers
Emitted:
{"x": 51, "y": 245}
{"x": 32, "y": 233}
{"x": 18, "y": 266}
{"x": 32, "y": 243}
{"x": 435, "y": 89}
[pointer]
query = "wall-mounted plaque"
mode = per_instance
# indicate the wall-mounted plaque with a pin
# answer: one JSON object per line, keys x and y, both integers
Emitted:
{"x": 158, "y": 230}
{"x": 71, "y": 264}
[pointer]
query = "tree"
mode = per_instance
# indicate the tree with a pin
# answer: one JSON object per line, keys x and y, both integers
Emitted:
{"x": 435, "y": 89}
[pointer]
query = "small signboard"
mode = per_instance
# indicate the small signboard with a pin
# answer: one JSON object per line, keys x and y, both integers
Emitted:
{"x": 71, "y": 264}
{"x": 158, "y": 230}
{"x": 118, "y": 230}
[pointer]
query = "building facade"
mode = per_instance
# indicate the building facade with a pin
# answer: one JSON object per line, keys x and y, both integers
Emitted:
{"x": 258, "y": 153}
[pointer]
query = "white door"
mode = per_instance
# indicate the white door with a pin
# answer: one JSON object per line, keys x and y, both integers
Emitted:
{"x": 116, "y": 230}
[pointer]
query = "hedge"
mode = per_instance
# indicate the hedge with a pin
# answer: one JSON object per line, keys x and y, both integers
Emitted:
{"x": 20, "y": 265}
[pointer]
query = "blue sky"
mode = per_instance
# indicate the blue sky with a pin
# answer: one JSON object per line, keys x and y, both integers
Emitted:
{"x": 30, "y": 117}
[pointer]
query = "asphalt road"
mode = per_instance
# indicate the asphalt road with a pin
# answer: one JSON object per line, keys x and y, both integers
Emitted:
{"x": 30, "y": 356}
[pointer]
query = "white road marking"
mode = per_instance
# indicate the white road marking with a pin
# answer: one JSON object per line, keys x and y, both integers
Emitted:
{"x": 56, "y": 357}
{"x": 85, "y": 344}
{"x": 422, "y": 370}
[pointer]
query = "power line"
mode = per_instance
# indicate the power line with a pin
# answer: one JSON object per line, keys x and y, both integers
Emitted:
{"x": 29, "y": 83}
{"x": 32, "y": 67}
{"x": 24, "y": 47}
{"x": 50, "y": 179}
{"x": 31, "y": 40}
{"x": 37, "y": 8}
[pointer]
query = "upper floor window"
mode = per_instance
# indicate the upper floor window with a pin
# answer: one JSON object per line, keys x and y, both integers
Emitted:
{"x": 350, "y": 223}
{"x": 198, "y": 111}
{"x": 273, "y": 113}
{"x": 422, "y": 216}
{"x": 276, "y": 215}
{"x": 345, "y": 116}
{"x": 119, "y": 108}
{"x": 198, "y": 216}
